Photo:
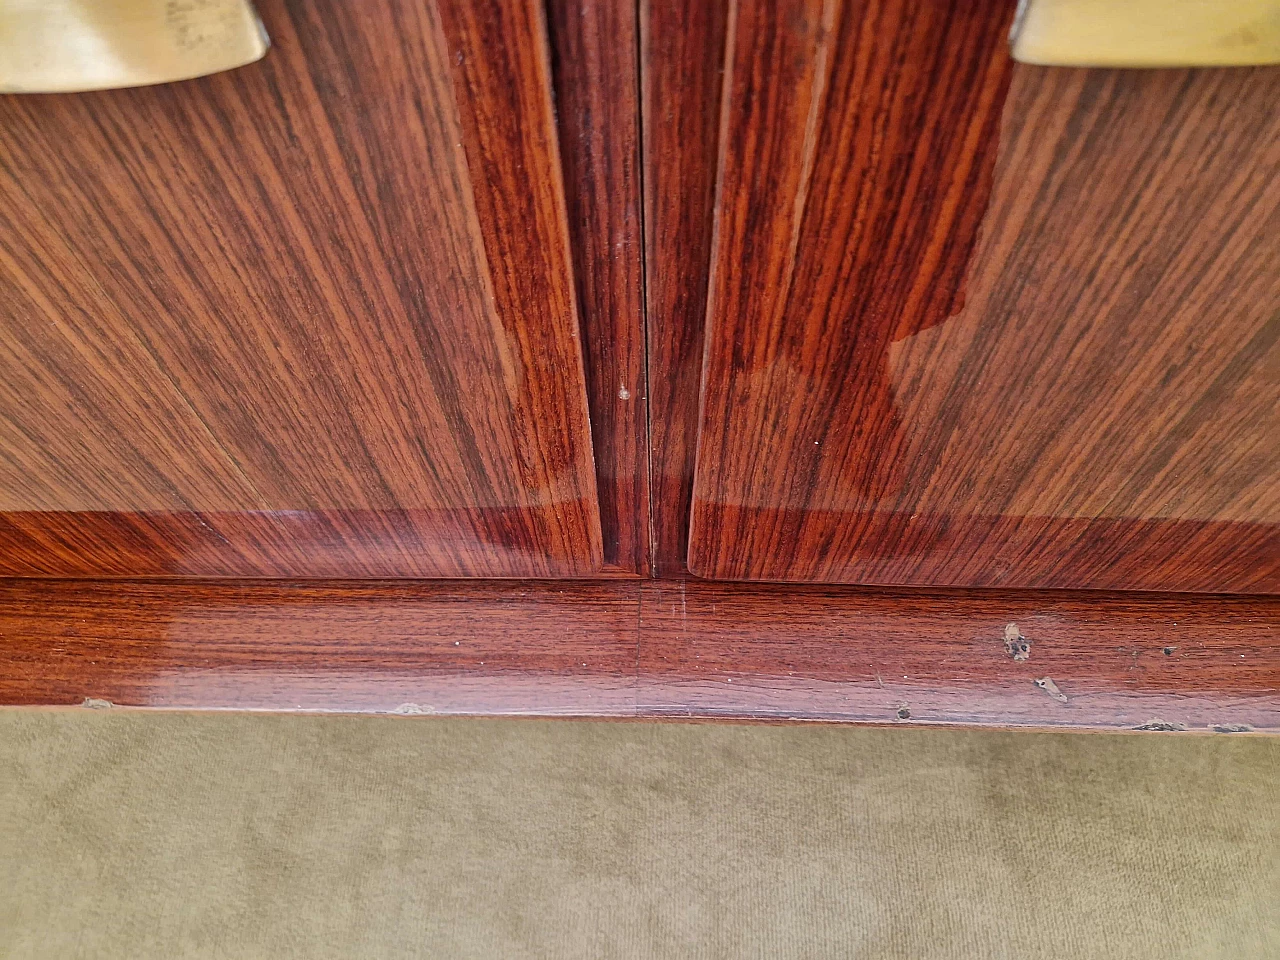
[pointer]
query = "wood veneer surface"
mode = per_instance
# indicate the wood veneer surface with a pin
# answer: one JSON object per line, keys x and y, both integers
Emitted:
{"x": 315, "y": 316}
{"x": 973, "y": 324}
{"x": 682, "y": 60}
{"x": 594, "y": 59}
{"x": 648, "y": 649}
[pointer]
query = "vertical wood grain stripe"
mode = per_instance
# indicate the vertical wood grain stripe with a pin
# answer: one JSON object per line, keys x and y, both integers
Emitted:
{"x": 682, "y": 62}
{"x": 594, "y": 54}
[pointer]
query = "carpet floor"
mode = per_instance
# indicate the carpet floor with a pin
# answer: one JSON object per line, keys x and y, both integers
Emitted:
{"x": 172, "y": 835}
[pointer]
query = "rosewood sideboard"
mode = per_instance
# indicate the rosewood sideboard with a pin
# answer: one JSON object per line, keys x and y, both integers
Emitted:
{"x": 757, "y": 359}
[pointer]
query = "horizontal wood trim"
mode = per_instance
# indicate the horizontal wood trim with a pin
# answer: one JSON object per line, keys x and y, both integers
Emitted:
{"x": 1092, "y": 660}
{"x": 647, "y": 649}
{"x": 480, "y": 647}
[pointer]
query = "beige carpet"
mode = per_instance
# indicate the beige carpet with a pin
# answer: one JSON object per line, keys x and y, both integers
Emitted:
{"x": 178, "y": 835}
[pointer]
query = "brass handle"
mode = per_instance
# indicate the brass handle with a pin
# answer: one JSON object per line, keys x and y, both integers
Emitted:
{"x": 62, "y": 46}
{"x": 1147, "y": 33}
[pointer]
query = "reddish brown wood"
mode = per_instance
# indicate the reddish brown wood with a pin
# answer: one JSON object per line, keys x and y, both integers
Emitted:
{"x": 1098, "y": 409}
{"x": 277, "y": 544}
{"x": 858, "y": 143}
{"x": 593, "y": 47}
{"x": 480, "y": 647}
{"x": 649, "y": 649}
{"x": 331, "y": 291}
{"x": 682, "y": 66}
{"x": 839, "y": 653}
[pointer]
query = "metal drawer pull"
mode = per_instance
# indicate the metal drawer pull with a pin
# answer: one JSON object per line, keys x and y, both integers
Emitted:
{"x": 62, "y": 46}
{"x": 1147, "y": 33}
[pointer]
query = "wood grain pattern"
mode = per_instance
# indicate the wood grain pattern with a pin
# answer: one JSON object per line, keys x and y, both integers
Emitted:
{"x": 682, "y": 66}
{"x": 853, "y": 181}
{"x": 330, "y": 291}
{"x": 1122, "y": 661}
{"x": 648, "y": 649}
{"x": 596, "y": 79}
{"x": 1094, "y": 406}
{"x": 482, "y": 647}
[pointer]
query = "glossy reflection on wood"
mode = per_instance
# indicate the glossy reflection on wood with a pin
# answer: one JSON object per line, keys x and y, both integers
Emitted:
{"x": 649, "y": 649}
{"x": 329, "y": 292}
{"x": 928, "y": 367}
{"x": 857, "y": 150}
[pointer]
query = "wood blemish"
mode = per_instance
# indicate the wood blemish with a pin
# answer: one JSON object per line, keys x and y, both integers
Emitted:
{"x": 1017, "y": 646}
{"x": 1048, "y": 686}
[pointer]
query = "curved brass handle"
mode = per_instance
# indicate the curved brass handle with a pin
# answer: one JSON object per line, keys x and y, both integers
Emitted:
{"x": 1147, "y": 33}
{"x": 62, "y": 46}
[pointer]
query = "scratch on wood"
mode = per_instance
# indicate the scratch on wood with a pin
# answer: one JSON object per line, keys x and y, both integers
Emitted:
{"x": 1231, "y": 728}
{"x": 412, "y": 710}
{"x": 1048, "y": 686}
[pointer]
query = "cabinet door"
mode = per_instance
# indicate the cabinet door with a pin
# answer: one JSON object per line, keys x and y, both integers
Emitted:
{"x": 311, "y": 317}
{"x": 973, "y": 323}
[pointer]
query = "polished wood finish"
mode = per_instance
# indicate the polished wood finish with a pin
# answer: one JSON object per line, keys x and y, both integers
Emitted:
{"x": 648, "y": 649}
{"x": 682, "y": 60}
{"x": 1095, "y": 406}
{"x": 315, "y": 316}
{"x": 1119, "y": 661}
{"x": 857, "y": 149}
{"x": 596, "y": 76}
{"x": 482, "y": 647}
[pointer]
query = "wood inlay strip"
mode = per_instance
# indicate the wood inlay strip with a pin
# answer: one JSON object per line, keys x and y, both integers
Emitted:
{"x": 594, "y": 56}
{"x": 682, "y": 60}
